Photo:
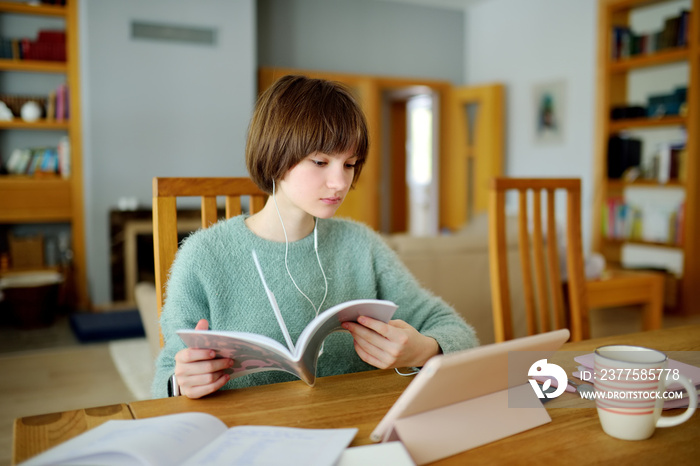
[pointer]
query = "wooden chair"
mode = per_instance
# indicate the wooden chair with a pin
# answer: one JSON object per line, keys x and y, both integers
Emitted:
{"x": 546, "y": 293}
{"x": 165, "y": 194}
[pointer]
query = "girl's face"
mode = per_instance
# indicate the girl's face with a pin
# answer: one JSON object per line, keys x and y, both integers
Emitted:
{"x": 318, "y": 184}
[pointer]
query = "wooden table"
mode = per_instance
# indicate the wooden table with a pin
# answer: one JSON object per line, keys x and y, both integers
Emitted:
{"x": 360, "y": 400}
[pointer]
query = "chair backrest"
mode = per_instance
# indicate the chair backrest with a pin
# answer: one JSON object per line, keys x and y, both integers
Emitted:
{"x": 165, "y": 194}
{"x": 545, "y": 293}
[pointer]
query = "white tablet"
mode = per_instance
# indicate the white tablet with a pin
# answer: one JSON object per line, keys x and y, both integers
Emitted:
{"x": 465, "y": 375}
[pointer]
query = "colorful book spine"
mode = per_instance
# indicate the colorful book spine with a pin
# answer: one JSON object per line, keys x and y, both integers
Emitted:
{"x": 61, "y": 102}
{"x": 64, "y": 160}
{"x": 680, "y": 227}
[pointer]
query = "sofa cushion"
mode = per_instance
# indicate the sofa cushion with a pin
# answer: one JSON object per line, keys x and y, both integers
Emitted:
{"x": 456, "y": 268}
{"x": 478, "y": 229}
{"x": 472, "y": 237}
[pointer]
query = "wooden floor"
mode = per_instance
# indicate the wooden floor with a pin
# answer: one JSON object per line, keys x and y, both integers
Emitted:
{"x": 69, "y": 375}
{"x": 37, "y": 378}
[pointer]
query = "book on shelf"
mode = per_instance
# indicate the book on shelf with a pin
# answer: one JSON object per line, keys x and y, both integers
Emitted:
{"x": 66, "y": 111}
{"x": 623, "y": 153}
{"x": 16, "y": 53}
{"x": 62, "y": 103}
{"x": 10, "y": 48}
{"x": 64, "y": 157}
{"x": 18, "y": 161}
{"x": 51, "y": 106}
{"x": 38, "y": 162}
{"x": 664, "y": 163}
{"x": 49, "y": 162}
{"x": 627, "y": 43}
{"x": 194, "y": 438}
{"x": 257, "y": 353}
{"x": 677, "y": 168}
{"x": 653, "y": 224}
{"x": 620, "y": 220}
{"x": 680, "y": 225}
{"x": 57, "y": 104}
{"x": 49, "y": 45}
{"x": 668, "y": 163}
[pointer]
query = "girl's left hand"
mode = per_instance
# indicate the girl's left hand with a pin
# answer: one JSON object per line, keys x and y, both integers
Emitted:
{"x": 390, "y": 345}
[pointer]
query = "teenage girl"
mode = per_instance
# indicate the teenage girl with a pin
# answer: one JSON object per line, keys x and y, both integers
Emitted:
{"x": 307, "y": 143}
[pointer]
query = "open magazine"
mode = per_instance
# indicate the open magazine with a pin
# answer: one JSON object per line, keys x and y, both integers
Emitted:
{"x": 257, "y": 353}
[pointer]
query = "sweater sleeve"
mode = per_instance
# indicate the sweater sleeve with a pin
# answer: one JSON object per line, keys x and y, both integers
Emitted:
{"x": 185, "y": 305}
{"x": 426, "y": 312}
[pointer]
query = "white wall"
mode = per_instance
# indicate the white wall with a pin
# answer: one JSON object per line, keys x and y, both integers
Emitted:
{"x": 157, "y": 108}
{"x": 527, "y": 43}
{"x": 383, "y": 38}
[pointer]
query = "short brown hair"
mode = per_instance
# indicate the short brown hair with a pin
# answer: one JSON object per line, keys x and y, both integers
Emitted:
{"x": 298, "y": 116}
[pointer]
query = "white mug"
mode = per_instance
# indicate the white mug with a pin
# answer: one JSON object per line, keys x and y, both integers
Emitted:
{"x": 630, "y": 382}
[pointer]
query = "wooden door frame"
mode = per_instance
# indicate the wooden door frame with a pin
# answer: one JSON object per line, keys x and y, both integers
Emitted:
{"x": 398, "y": 190}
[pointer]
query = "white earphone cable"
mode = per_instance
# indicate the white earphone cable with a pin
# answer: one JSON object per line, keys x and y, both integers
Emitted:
{"x": 286, "y": 252}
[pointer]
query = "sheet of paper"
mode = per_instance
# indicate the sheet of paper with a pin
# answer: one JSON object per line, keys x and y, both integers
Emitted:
{"x": 268, "y": 445}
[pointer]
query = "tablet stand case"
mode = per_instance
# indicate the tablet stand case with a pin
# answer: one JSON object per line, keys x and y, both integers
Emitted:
{"x": 446, "y": 431}
{"x": 469, "y": 398}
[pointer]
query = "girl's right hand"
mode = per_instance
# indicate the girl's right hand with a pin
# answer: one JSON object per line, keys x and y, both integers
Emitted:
{"x": 197, "y": 371}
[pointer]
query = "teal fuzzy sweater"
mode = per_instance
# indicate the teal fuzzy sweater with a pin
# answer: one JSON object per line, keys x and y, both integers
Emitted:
{"x": 214, "y": 278}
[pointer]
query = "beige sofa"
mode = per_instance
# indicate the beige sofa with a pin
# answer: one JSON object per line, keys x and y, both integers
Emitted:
{"x": 456, "y": 268}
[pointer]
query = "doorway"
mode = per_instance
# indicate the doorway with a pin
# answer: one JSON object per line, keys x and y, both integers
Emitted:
{"x": 410, "y": 154}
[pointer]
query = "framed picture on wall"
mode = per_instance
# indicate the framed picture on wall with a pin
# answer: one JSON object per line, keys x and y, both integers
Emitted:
{"x": 549, "y": 111}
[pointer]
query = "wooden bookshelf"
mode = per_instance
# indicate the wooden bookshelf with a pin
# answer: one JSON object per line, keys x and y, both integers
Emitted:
{"x": 617, "y": 242}
{"x": 618, "y": 185}
{"x": 32, "y": 66}
{"x": 612, "y": 86}
{"x": 37, "y": 125}
{"x": 43, "y": 199}
{"x": 26, "y": 8}
{"x": 664, "y": 57}
{"x": 638, "y": 123}
{"x": 24, "y": 199}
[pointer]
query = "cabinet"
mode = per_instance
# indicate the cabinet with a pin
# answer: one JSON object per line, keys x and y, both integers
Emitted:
{"x": 618, "y": 86}
{"x": 49, "y": 198}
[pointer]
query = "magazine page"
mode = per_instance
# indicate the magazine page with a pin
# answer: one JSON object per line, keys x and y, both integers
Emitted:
{"x": 163, "y": 440}
{"x": 250, "y": 352}
{"x": 330, "y": 321}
